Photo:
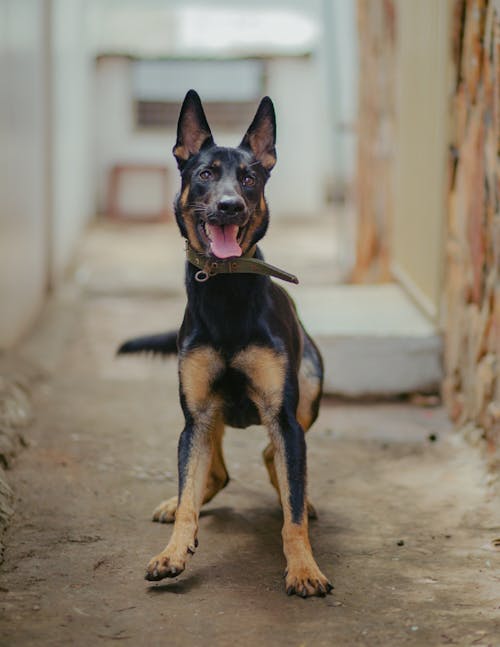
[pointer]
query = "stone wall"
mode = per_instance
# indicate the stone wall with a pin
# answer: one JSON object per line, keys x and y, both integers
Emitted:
{"x": 472, "y": 291}
{"x": 17, "y": 379}
{"x": 470, "y": 312}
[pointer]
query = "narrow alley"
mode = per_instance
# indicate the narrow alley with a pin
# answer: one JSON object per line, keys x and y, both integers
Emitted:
{"x": 405, "y": 514}
{"x": 374, "y": 126}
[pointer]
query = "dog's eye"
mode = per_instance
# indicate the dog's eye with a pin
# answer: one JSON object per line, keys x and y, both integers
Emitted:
{"x": 205, "y": 174}
{"x": 248, "y": 180}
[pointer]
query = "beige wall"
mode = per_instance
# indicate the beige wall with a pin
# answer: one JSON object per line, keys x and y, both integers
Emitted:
{"x": 71, "y": 126}
{"x": 45, "y": 193}
{"x": 23, "y": 191}
{"x": 297, "y": 185}
{"x": 422, "y": 81}
{"x": 298, "y": 182}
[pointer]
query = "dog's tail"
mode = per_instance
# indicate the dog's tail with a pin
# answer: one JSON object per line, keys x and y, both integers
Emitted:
{"x": 160, "y": 344}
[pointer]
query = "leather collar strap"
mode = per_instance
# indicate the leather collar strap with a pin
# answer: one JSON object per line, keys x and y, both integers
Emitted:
{"x": 238, "y": 265}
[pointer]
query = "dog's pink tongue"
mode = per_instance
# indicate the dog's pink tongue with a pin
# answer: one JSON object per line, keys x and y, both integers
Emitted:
{"x": 223, "y": 241}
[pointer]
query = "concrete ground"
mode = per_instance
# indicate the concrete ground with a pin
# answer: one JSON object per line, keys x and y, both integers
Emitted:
{"x": 406, "y": 520}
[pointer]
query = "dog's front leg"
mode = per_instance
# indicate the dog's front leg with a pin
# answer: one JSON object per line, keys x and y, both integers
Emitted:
{"x": 197, "y": 370}
{"x": 275, "y": 393}
{"x": 195, "y": 450}
{"x": 302, "y": 575}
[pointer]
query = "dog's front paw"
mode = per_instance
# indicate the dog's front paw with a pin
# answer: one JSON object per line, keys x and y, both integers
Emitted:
{"x": 306, "y": 581}
{"x": 163, "y": 566}
{"x": 169, "y": 563}
{"x": 165, "y": 512}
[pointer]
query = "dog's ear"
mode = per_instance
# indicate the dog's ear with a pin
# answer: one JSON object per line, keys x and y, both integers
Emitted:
{"x": 260, "y": 138}
{"x": 193, "y": 131}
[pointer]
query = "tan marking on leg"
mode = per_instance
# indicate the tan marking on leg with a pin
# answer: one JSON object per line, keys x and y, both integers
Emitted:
{"x": 309, "y": 388}
{"x": 265, "y": 368}
{"x": 198, "y": 369}
{"x": 183, "y": 542}
{"x": 218, "y": 478}
{"x": 268, "y": 456}
{"x": 303, "y": 576}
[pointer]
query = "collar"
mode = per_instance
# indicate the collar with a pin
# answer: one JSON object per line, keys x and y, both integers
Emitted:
{"x": 245, "y": 264}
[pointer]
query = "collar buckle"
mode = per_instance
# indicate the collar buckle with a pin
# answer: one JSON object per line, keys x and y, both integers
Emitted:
{"x": 201, "y": 276}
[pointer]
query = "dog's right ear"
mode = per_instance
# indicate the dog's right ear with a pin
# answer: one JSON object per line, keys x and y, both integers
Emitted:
{"x": 193, "y": 131}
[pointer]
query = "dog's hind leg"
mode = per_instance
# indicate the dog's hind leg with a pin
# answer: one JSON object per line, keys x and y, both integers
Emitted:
{"x": 268, "y": 456}
{"x": 218, "y": 476}
{"x": 217, "y": 480}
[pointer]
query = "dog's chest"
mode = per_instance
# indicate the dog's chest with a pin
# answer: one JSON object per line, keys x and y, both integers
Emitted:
{"x": 248, "y": 386}
{"x": 234, "y": 391}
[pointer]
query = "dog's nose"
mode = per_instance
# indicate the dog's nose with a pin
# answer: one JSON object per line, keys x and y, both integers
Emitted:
{"x": 231, "y": 206}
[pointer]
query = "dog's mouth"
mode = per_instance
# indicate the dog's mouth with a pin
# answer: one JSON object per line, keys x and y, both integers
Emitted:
{"x": 224, "y": 240}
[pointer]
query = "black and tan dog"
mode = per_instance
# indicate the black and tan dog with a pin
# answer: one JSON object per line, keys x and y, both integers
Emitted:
{"x": 244, "y": 357}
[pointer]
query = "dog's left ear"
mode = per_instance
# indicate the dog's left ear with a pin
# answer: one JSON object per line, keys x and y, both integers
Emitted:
{"x": 260, "y": 138}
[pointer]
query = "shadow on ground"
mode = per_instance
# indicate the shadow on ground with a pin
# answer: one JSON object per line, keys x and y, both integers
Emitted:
{"x": 404, "y": 515}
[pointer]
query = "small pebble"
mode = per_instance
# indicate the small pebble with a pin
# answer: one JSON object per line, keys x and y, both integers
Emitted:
{"x": 400, "y": 542}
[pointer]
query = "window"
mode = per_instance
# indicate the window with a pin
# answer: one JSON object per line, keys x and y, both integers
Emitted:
{"x": 229, "y": 89}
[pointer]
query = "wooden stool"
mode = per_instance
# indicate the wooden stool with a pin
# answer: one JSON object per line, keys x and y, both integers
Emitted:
{"x": 117, "y": 180}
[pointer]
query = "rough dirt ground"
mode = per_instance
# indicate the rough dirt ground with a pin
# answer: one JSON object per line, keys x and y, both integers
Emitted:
{"x": 404, "y": 522}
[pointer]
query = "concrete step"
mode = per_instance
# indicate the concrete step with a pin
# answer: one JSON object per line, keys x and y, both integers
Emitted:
{"x": 374, "y": 340}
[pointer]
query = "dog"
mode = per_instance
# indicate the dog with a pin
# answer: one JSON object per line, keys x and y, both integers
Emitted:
{"x": 244, "y": 356}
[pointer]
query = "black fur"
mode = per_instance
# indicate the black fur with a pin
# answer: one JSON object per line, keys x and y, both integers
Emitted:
{"x": 232, "y": 312}
{"x": 160, "y": 344}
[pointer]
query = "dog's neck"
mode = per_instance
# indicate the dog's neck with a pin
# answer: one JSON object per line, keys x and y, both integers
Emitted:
{"x": 228, "y": 308}
{"x": 246, "y": 264}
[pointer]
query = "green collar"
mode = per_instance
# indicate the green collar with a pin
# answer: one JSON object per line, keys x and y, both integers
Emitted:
{"x": 246, "y": 264}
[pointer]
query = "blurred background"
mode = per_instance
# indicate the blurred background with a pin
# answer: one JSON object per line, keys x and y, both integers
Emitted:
{"x": 95, "y": 89}
{"x": 385, "y": 195}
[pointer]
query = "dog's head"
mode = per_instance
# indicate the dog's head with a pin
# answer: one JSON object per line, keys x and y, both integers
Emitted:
{"x": 221, "y": 208}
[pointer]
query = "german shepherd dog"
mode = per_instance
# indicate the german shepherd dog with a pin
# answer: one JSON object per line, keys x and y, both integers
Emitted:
{"x": 244, "y": 356}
